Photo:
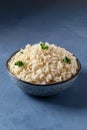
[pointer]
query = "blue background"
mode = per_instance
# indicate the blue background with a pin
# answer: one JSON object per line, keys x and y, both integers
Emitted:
{"x": 63, "y": 23}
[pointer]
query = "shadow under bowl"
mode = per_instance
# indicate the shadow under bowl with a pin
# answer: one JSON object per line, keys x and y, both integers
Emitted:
{"x": 42, "y": 90}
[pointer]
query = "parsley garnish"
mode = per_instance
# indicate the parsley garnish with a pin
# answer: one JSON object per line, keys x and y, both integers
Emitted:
{"x": 21, "y": 52}
{"x": 43, "y": 46}
{"x": 19, "y": 63}
{"x": 67, "y": 60}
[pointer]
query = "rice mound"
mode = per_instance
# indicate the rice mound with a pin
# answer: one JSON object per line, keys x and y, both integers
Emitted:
{"x": 43, "y": 66}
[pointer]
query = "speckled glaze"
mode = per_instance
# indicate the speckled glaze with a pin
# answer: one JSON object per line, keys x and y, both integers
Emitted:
{"x": 42, "y": 90}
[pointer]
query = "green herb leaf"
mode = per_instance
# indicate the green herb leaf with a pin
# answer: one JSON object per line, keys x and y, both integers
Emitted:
{"x": 21, "y": 52}
{"x": 43, "y": 46}
{"x": 19, "y": 63}
{"x": 67, "y": 60}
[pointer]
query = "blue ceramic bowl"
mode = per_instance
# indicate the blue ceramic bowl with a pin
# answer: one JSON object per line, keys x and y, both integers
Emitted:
{"x": 42, "y": 90}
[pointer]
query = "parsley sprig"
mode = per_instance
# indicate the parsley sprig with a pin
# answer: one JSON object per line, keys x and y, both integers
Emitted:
{"x": 21, "y": 52}
{"x": 43, "y": 46}
{"x": 67, "y": 60}
{"x": 19, "y": 63}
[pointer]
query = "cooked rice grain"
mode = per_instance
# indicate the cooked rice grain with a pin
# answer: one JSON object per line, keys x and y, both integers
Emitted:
{"x": 43, "y": 66}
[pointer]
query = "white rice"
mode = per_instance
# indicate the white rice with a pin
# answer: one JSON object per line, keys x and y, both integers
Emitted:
{"x": 43, "y": 66}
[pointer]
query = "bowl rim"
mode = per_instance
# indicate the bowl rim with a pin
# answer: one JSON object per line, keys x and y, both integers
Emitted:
{"x": 51, "y": 84}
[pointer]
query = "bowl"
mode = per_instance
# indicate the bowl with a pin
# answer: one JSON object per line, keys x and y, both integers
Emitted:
{"x": 42, "y": 90}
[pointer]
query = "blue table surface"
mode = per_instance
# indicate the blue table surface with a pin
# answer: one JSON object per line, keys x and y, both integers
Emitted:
{"x": 63, "y": 25}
